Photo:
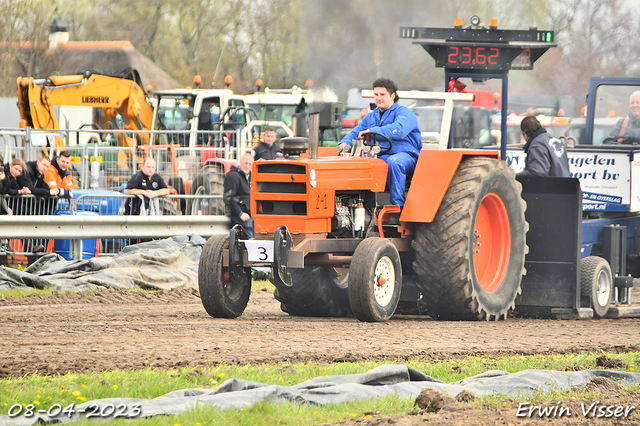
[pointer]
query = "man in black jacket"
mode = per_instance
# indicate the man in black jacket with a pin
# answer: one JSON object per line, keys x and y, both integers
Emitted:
{"x": 237, "y": 192}
{"x": 269, "y": 149}
{"x": 42, "y": 204}
{"x": 35, "y": 171}
{"x": 146, "y": 183}
{"x": 546, "y": 155}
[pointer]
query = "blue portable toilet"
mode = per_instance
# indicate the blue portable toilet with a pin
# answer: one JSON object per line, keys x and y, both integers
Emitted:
{"x": 63, "y": 247}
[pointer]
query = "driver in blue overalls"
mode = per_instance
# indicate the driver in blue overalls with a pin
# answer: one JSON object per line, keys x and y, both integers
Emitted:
{"x": 400, "y": 125}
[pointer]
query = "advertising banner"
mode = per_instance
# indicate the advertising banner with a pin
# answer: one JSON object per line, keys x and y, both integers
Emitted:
{"x": 605, "y": 177}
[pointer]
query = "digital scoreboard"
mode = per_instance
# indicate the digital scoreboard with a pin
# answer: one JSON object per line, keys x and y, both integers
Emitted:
{"x": 481, "y": 49}
{"x": 463, "y": 56}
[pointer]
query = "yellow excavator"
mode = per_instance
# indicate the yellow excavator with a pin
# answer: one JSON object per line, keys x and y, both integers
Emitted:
{"x": 121, "y": 95}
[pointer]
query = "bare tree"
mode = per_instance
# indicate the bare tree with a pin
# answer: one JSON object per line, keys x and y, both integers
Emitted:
{"x": 597, "y": 30}
{"x": 337, "y": 43}
{"x": 24, "y": 30}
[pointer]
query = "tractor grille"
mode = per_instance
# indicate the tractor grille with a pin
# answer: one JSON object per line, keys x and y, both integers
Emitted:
{"x": 295, "y": 169}
{"x": 288, "y": 208}
{"x": 283, "y": 187}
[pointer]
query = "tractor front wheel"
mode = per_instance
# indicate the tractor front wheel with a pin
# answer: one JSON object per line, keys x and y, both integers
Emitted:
{"x": 221, "y": 296}
{"x": 375, "y": 280}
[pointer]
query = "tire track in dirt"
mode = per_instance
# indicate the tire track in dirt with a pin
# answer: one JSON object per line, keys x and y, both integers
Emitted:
{"x": 114, "y": 329}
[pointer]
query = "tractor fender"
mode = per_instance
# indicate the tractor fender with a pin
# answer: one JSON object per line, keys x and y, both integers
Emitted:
{"x": 223, "y": 163}
{"x": 431, "y": 179}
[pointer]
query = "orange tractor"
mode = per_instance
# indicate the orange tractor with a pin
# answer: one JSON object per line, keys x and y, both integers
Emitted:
{"x": 337, "y": 247}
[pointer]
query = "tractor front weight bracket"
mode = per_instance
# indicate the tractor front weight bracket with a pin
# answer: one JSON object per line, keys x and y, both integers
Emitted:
{"x": 236, "y": 267}
{"x": 282, "y": 245}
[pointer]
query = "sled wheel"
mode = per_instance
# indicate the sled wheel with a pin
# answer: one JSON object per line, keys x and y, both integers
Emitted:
{"x": 470, "y": 259}
{"x": 316, "y": 292}
{"x": 375, "y": 280}
{"x": 221, "y": 297}
{"x": 596, "y": 284}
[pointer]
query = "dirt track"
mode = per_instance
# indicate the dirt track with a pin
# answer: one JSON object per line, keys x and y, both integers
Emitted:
{"x": 110, "y": 329}
{"x": 75, "y": 332}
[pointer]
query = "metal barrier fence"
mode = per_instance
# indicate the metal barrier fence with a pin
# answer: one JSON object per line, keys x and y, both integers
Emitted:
{"x": 102, "y": 162}
{"x": 31, "y": 219}
{"x": 101, "y": 159}
{"x": 85, "y": 235}
{"x": 12, "y": 144}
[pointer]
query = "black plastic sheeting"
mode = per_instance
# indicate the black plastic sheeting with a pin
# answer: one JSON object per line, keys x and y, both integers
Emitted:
{"x": 383, "y": 381}
{"x": 154, "y": 265}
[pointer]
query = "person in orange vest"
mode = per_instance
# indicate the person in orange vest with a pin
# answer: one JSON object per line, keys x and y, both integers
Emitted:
{"x": 58, "y": 176}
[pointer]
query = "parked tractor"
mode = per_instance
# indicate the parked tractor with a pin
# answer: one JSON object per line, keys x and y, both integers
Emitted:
{"x": 293, "y": 107}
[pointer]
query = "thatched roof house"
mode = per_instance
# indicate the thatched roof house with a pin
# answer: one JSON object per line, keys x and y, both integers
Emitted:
{"x": 105, "y": 57}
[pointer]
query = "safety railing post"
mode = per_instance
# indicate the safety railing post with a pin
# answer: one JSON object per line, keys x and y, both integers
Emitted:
{"x": 76, "y": 249}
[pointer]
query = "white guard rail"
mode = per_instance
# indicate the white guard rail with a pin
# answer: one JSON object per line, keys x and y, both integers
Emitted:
{"x": 85, "y": 227}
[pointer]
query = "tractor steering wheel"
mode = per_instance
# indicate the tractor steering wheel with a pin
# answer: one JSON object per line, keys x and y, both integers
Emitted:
{"x": 371, "y": 140}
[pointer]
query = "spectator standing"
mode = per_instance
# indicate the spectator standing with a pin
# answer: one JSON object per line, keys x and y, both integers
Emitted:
{"x": 146, "y": 183}
{"x": 4, "y": 190}
{"x": 237, "y": 194}
{"x": 4, "y": 210}
{"x": 58, "y": 175}
{"x": 269, "y": 149}
{"x": 546, "y": 155}
{"x": 35, "y": 172}
{"x": 15, "y": 181}
{"x": 42, "y": 204}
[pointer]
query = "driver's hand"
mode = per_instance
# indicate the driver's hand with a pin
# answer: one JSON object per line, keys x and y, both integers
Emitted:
{"x": 363, "y": 134}
{"x": 343, "y": 148}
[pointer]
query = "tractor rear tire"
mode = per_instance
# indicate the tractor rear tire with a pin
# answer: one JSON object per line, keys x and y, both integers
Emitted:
{"x": 596, "y": 284}
{"x": 470, "y": 259}
{"x": 375, "y": 280}
{"x": 316, "y": 292}
{"x": 221, "y": 297}
{"x": 207, "y": 181}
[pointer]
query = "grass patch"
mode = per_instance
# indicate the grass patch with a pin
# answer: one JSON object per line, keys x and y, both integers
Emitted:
{"x": 44, "y": 391}
{"x": 23, "y": 292}
{"x": 262, "y": 286}
{"x": 20, "y": 292}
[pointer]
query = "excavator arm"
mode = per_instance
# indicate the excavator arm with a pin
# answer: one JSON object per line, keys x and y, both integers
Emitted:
{"x": 115, "y": 95}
